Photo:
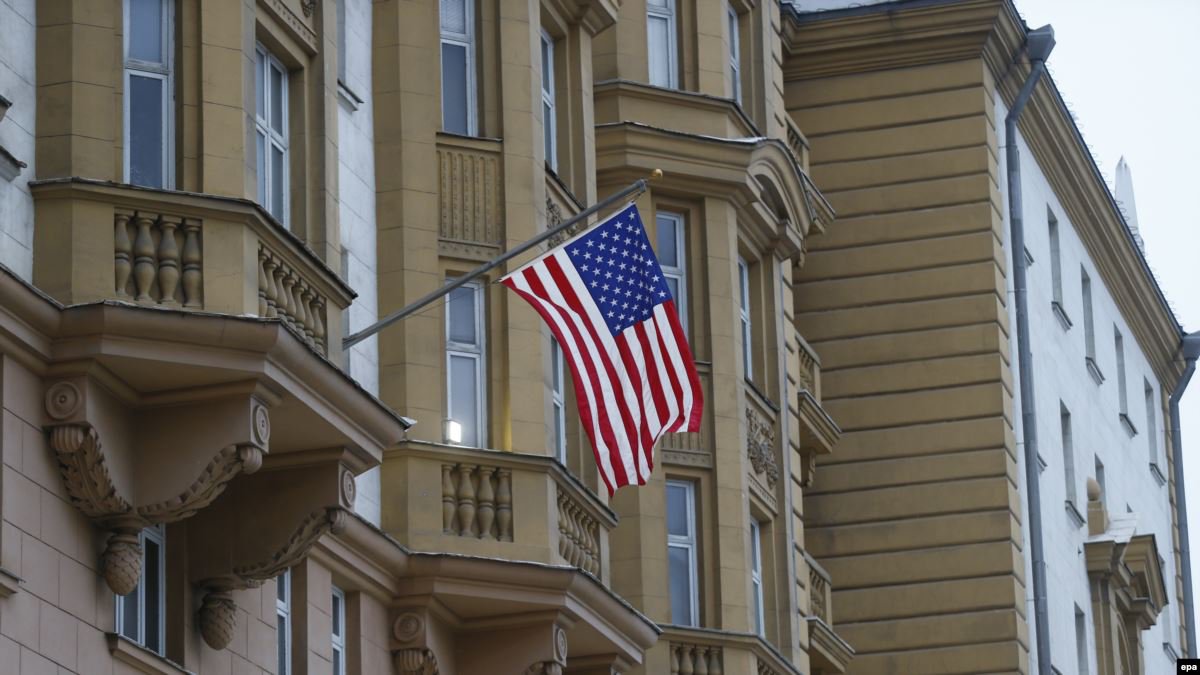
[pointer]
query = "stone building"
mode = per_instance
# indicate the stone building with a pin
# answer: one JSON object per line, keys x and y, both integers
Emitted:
{"x": 922, "y": 515}
{"x": 203, "y": 198}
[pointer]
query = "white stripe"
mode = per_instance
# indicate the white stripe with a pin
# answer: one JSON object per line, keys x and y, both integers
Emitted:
{"x": 663, "y": 377}
{"x": 573, "y": 350}
{"x": 663, "y": 322}
{"x": 629, "y": 336}
{"x": 633, "y": 410}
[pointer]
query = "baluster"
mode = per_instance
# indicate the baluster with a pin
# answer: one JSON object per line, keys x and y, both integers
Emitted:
{"x": 143, "y": 258}
{"x": 449, "y": 506}
{"x": 262, "y": 282}
{"x": 272, "y": 288}
{"x": 674, "y": 659}
{"x": 168, "y": 260}
{"x": 504, "y": 505}
{"x": 702, "y": 660}
{"x": 487, "y": 503}
{"x": 714, "y": 661}
{"x": 466, "y": 500}
{"x": 191, "y": 262}
{"x": 686, "y": 654}
{"x": 122, "y": 248}
{"x": 285, "y": 296}
{"x": 306, "y": 297}
{"x": 296, "y": 302}
{"x": 577, "y": 534}
{"x": 318, "y": 321}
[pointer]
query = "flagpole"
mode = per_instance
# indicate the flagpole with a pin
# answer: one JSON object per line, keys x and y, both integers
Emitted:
{"x": 637, "y": 187}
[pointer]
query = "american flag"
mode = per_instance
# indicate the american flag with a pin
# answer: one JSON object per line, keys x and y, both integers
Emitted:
{"x": 606, "y": 301}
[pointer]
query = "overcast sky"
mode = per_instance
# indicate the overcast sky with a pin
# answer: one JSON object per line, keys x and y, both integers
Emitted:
{"x": 1128, "y": 70}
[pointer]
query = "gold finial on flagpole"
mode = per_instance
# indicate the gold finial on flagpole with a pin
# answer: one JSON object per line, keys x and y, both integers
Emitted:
{"x": 656, "y": 174}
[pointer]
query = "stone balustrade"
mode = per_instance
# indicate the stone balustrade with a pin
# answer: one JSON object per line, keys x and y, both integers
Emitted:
{"x": 798, "y": 144}
{"x": 810, "y": 368}
{"x": 507, "y": 505}
{"x": 470, "y": 196}
{"x": 820, "y": 591}
{"x": 704, "y": 651}
{"x": 184, "y": 251}
{"x": 689, "y": 659}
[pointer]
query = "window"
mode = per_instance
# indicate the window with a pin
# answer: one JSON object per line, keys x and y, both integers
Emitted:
{"x": 1122, "y": 393}
{"x": 557, "y": 402}
{"x": 756, "y": 581}
{"x": 1055, "y": 260}
{"x": 681, "y": 553}
{"x": 672, "y": 256}
{"x": 549, "y": 120}
{"x": 337, "y": 638}
{"x": 140, "y": 614}
{"x": 661, "y": 43}
{"x": 457, "y": 18}
{"x": 1151, "y": 423}
{"x": 1089, "y": 326}
{"x": 283, "y": 622}
{"x": 1068, "y": 454}
{"x": 465, "y": 366}
{"x": 1081, "y": 648}
{"x": 149, "y": 93}
{"x": 271, "y": 133}
{"x": 744, "y": 309}
{"x": 735, "y": 55}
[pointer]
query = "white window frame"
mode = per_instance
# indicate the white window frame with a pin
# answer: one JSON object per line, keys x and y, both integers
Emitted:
{"x": 744, "y": 317}
{"x": 283, "y": 620}
{"x": 756, "y": 578}
{"x": 1068, "y": 453}
{"x": 735, "y": 54}
{"x": 467, "y": 41}
{"x": 337, "y": 639}
{"x": 667, "y": 11}
{"x": 158, "y": 535}
{"x": 164, "y": 71}
{"x": 1122, "y": 390}
{"x": 477, "y": 353}
{"x": 1151, "y": 421}
{"x": 1055, "y": 233}
{"x": 678, "y": 272}
{"x": 558, "y": 405}
{"x": 550, "y": 121}
{"x": 688, "y": 543}
{"x": 272, "y": 138}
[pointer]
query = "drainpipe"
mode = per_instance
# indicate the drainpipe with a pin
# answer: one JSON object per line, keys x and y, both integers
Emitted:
{"x": 1038, "y": 44}
{"x": 1190, "y": 349}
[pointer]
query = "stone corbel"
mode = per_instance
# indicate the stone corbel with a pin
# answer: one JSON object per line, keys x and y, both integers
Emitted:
{"x": 554, "y": 667}
{"x": 122, "y": 491}
{"x": 411, "y": 653}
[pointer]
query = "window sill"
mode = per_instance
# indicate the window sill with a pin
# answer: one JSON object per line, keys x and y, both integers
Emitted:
{"x": 1159, "y": 477}
{"x": 1028, "y": 258}
{"x": 348, "y": 96}
{"x": 1094, "y": 370}
{"x": 1061, "y": 314}
{"x": 1170, "y": 651}
{"x": 9, "y": 583}
{"x": 1074, "y": 514}
{"x": 1128, "y": 424}
{"x": 141, "y": 659}
{"x": 1041, "y": 463}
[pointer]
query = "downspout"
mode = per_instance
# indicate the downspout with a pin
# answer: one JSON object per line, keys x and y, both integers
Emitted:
{"x": 1038, "y": 45}
{"x": 1190, "y": 348}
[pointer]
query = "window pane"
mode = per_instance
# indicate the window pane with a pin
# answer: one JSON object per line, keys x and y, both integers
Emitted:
{"x": 281, "y": 644}
{"x": 260, "y": 93}
{"x": 260, "y": 143}
{"x": 464, "y": 403}
{"x": 337, "y": 662}
{"x": 278, "y": 105}
{"x": 154, "y": 589}
{"x": 677, "y": 510}
{"x": 658, "y": 3}
{"x": 145, "y": 30}
{"x": 281, "y": 588}
{"x": 548, "y": 133}
{"x": 454, "y": 16}
{"x": 146, "y": 131}
{"x": 277, "y": 183}
{"x": 673, "y": 285}
{"x": 679, "y": 577}
{"x": 559, "y": 439}
{"x": 658, "y": 30}
{"x": 337, "y": 615}
{"x": 547, "y": 66}
{"x": 556, "y": 365}
{"x": 758, "y": 609}
{"x": 128, "y": 608}
{"x": 454, "y": 88}
{"x": 668, "y": 239}
{"x": 462, "y": 315}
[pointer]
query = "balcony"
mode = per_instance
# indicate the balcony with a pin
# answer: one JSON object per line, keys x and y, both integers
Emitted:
{"x": 491, "y": 504}
{"x": 470, "y": 197}
{"x": 701, "y": 650}
{"x": 828, "y": 653}
{"x": 674, "y": 109}
{"x": 101, "y": 241}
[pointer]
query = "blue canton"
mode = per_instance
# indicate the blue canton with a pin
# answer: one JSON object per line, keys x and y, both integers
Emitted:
{"x": 620, "y": 270}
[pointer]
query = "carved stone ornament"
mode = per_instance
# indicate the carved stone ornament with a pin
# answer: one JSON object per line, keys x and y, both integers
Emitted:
{"x": 218, "y": 619}
{"x": 554, "y": 218}
{"x": 309, "y": 6}
{"x": 416, "y": 661}
{"x": 349, "y": 488}
{"x": 760, "y": 444}
{"x": 560, "y": 644}
{"x": 408, "y": 627}
{"x": 545, "y": 668}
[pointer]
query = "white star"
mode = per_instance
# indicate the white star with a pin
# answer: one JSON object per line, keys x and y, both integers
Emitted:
{"x": 611, "y": 314}
{"x": 620, "y": 278}
{"x": 590, "y": 243}
{"x": 584, "y": 268}
{"x": 661, "y": 294}
{"x": 603, "y": 234}
{"x": 608, "y": 275}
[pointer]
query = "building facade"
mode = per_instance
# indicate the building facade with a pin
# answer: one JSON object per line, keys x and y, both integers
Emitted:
{"x": 203, "y": 198}
{"x": 922, "y": 515}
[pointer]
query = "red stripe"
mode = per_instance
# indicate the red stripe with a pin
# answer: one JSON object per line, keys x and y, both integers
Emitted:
{"x": 655, "y": 383}
{"x": 676, "y": 385}
{"x": 689, "y": 364}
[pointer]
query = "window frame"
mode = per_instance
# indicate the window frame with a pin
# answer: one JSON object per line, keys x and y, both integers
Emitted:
{"x": 158, "y": 535}
{"x": 549, "y": 104}
{"x": 747, "y": 324}
{"x": 467, "y": 41}
{"x": 669, "y": 12}
{"x": 735, "y": 53}
{"x": 1151, "y": 424}
{"x": 165, "y": 72}
{"x": 337, "y": 629}
{"x": 558, "y": 401}
{"x": 283, "y": 621}
{"x": 679, "y": 271}
{"x": 1067, "y": 439}
{"x": 272, "y": 139}
{"x": 476, "y": 352}
{"x": 688, "y": 543}
{"x": 756, "y": 579}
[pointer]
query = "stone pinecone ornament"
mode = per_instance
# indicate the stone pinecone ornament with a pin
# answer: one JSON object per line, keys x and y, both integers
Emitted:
{"x": 218, "y": 619}
{"x": 122, "y": 562}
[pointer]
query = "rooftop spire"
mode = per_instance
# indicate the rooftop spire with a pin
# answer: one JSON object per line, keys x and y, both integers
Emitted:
{"x": 1124, "y": 196}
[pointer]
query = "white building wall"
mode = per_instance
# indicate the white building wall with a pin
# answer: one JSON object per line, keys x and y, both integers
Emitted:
{"x": 356, "y": 210}
{"x": 1060, "y": 374}
{"x": 17, "y": 84}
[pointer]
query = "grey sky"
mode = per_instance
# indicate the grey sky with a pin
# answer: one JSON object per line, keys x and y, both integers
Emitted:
{"x": 1128, "y": 70}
